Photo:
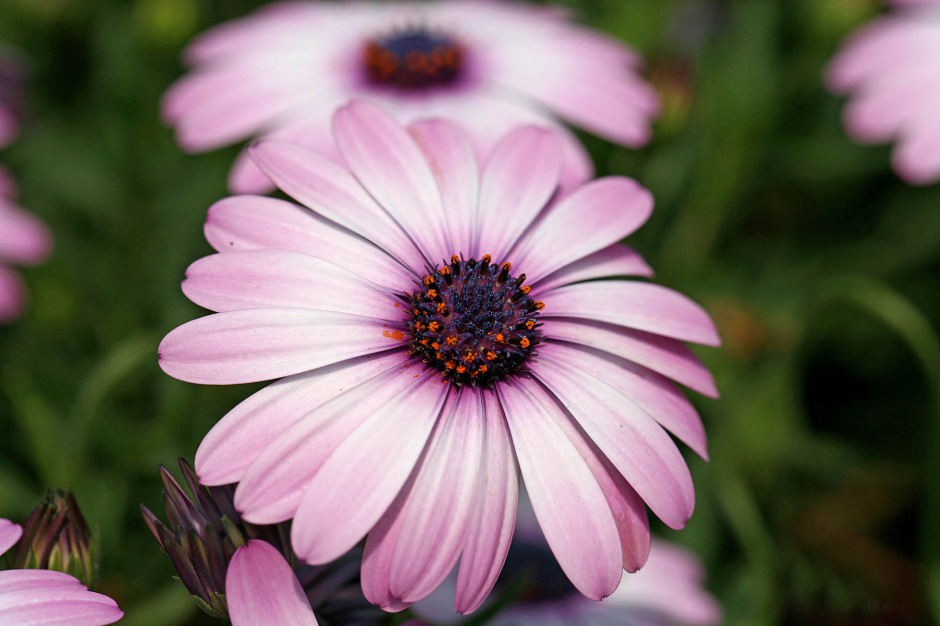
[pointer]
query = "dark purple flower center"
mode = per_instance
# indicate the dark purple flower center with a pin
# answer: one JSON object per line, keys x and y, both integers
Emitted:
{"x": 414, "y": 58}
{"x": 474, "y": 321}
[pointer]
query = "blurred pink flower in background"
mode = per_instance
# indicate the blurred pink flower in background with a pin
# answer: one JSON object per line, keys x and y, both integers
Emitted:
{"x": 890, "y": 71}
{"x": 668, "y": 591}
{"x": 406, "y": 381}
{"x": 24, "y": 240}
{"x": 35, "y": 597}
{"x": 490, "y": 65}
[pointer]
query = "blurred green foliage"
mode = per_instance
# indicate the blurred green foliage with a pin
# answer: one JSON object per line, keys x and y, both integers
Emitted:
{"x": 820, "y": 504}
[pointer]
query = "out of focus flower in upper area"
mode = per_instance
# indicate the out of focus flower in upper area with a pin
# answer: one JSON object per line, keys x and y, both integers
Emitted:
{"x": 217, "y": 554}
{"x": 890, "y": 71}
{"x": 491, "y": 65}
{"x": 437, "y": 321}
{"x": 42, "y": 591}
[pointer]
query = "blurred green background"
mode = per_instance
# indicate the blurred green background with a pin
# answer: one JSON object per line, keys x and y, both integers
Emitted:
{"x": 820, "y": 504}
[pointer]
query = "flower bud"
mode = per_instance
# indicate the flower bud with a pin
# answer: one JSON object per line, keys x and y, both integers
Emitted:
{"x": 56, "y": 537}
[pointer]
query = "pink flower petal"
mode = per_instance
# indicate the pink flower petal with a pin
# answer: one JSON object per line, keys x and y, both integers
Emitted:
{"x": 237, "y": 440}
{"x": 261, "y": 589}
{"x": 388, "y": 163}
{"x": 647, "y": 390}
{"x": 643, "y": 306}
{"x": 273, "y": 486}
{"x": 242, "y": 223}
{"x": 519, "y": 177}
{"x": 331, "y": 191}
{"x": 613, "y": 261}
{"x": 252, "y": 345}
{"x": 490, "y": 531}
{"x": 282, "y": 279}
{"x": 667, "y": 356}
{"x": 10, "y": 533}
{"x": 365, "y": 472}
{"x": 569, "y": 504}
{"x": 636, "y": 445}
{"x": 12, "y": 295}
{"x": 26, "y": 602}
{"x": 23, "y": 238}
{"x": 447, "y": 480}
{"x": 593, "y": 217}
{"x": 450, "y": 154}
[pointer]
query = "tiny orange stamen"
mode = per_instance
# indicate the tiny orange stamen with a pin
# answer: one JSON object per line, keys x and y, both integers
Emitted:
{"x": 450, "y": 365}
{"x": 490, "y": 355}
{"x": 487, "y": 258}
{"x": 500, "y": 338}
{"x": 442, "y": 308}
{"x": 432, "y": 293}
{"x": 539, "y": 305}
{"x": 461, "y": 369}
{"x": 428, "y": 280}
{"x": 452, "y": 340}
{"x": 445, "y": 271}
{"x": 436, "y": 345}
{"x": 507, "y": 266}
{"x": 434, "y": 327}
{"x": 525, "y": 343}
{"x": 525, "y": 289}
{"x": 455, "y": 259}
{"x": 481, "y": 370}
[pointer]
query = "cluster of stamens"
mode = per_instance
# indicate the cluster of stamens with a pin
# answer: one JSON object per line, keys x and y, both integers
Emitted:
{"x": 413, "y": 59}
{"x": 474, "y": 321}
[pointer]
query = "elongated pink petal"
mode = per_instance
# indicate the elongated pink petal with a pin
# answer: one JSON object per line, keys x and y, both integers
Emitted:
{"x": 568, "y": 502}
{"x": 10, "y": 533}
{"x": 261, "y": 589}
{"x": 280, "y": 279}
{"x": 490, "y": 532}
{"x": 643, "y": 306}
{"x": 361, "y": 478}
{"x": 252, "y": 345}
{"x": 388, "y": 163}
{"x": 649, "y": 391}
{"x": 252, "y": 222}
{"x": 593, "y": 217}
{"x": 25, "y": 601}
{"x": 636, "y": 445}
{"x": 12, "y": 295}
{"x": 330, "y": 190}
{"x": 450, "y": 154}
{"x": 519, "y": 177}
{"x": 669, "y": 357}
{"x": 24, "y": 239}
{"x": 234, "y": 443}
{"x": 274, "y": 485}
{"x": 611, "y": 262}
{"x": 447, "y": 481}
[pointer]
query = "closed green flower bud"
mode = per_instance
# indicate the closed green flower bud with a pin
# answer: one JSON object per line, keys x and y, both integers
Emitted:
{"x": 56, "y": 537}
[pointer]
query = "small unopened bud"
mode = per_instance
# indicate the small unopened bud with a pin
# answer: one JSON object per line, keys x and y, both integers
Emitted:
{"x": 56, "y": 537}
{"x": 202, "y": 533}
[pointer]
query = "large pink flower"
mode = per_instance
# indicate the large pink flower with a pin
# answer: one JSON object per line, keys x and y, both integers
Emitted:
{"x": 890, "y": 70}
{"x": 261, "y": 589}
{"x": 35, "y": 597}
{"x": 24, "y": 240}
{"x": 493, "y": 65}
{"x": 412, "y": 389}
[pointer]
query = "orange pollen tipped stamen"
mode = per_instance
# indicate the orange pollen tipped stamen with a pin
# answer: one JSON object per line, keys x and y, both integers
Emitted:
{"x": 500, "y": 338}
{"x": 434, "y": 326}
{"x": 432, "y": 293}
{"x": 486, "y": 258}
{"x": 461, "y": 369}
{"x": 530, "y": 324}
{"x": 445, "y": 271}
{"x": 525, "y": 343}
{"x": 469, "y": 357}
{"x": 450, "y": 365}
{"x": 441, "y": 308}
{"x": 507, "y": 266}
{"x": 539, "y": 305}
{"x": 436, "y": 345}
{"x": 424, "y": 342}
{"x": 525, "y": 289}
{"x": 482, "y": 369}
{"x": 451, "y": 341}
{"x": 455, "y": 259}
{"x": 490, "y": 355}
{"x": 428, "y": 280}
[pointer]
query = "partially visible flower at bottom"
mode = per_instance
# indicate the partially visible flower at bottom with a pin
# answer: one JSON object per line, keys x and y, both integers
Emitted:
{"x": 243, "y": 571}
{"x": 24, "y": 240}
{"x": 666, "y": 592}
{"x": 41, "y": 597}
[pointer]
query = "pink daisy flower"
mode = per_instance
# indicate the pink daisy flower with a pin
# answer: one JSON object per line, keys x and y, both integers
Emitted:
{"x": 24, "y": 240}
{"x": 261, "y": 588}
{"x": 35, "y": 597}
{"x": 413, "y": 389}
{"x": 492, "y": 65}
{"x": 889, "y": 70}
